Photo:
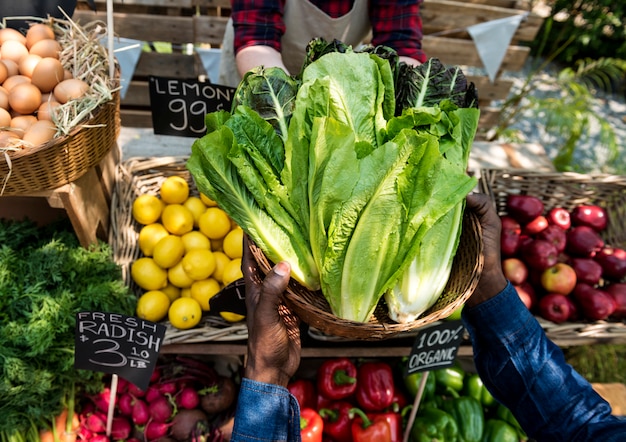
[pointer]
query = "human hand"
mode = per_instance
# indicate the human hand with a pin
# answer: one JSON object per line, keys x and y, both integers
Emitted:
{"x": 492, "y": 280}
{"x": 273, "y": 331}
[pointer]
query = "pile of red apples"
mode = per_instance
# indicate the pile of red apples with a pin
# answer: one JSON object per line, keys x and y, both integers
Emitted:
{"x": 559, "y": 263}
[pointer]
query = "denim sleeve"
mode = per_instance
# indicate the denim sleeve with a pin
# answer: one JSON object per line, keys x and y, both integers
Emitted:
{"x": 528, "y": 373}
{"x": 265, "y": 412}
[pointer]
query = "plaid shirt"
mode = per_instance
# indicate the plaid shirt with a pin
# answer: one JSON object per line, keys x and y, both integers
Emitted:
{"x": 395, "y": 23}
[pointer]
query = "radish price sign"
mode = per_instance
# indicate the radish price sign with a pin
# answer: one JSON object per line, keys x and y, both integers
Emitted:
{"x": 435, "y": 347}
{"x": 118, "y": 344}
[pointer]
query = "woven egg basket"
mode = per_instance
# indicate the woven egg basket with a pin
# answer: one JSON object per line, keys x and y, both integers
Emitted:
{"x": 312, "y": 308}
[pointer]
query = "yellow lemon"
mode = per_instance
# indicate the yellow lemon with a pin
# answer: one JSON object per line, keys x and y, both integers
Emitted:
{"x": 147, "y": 274}
{"x": 174, "y": 190}
{"x": 232, "y": 271}
{"x": 177, "y": 219}
{"x": 153, "y": 305}
{"x": 196, "y": 240}
{"x": 221, "y": 259}
{"x": 207, "y": 201}
{"x": 196, "y": 207}
{"x": 203, "y": 291}
{"x": 171, "y": 291}
{"x": 186, "y": 292}
{"x": 232, "y": 317}
{"x": 168, "y": 251}
{"x": 149, "y": 235}
{"x": 214, "y": 223}
{"x": 233, "y": 243}
{"x": 147, "y": 209}
{"x": 184, "y": 313}
{"x": 177, "y": 276}
{"x": 199, "y": 263}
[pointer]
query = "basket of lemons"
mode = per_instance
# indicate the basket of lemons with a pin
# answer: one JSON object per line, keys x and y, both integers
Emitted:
{"x": 177, "y": 250}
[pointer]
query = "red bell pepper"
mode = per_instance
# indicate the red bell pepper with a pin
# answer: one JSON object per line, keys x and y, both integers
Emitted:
{"x": 365, "y": 429}
{"x": 375, "y": 386}
{"x": 337, "y": 421}
{"x": 395, "y": 423}
{"x": 311, "y": 425}
{"x": 336, "y": 378}
{"x": 304, "y": 391}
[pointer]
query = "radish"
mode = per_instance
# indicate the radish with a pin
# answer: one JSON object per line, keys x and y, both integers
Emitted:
{"x": 125, "y": 404}
{"x": 122, "y": 385}
{"x": 99, "y": 438}
{"x": 168, "y": 388}
{"x": 156, "y": 430}
{"x": 152, "y": 393}
{"x": 135, "y": 391}
{"x": 155, "y": 376}
{"x": 141, "y": 412}
{"x": 120, "y": 428}
{"x": 102, "y": 399}
{"x": 96, "y": 423}
{"x": 188, "y": 398}
{"x": 160, "y": 409}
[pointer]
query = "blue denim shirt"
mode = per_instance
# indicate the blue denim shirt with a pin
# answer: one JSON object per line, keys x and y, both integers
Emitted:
{"x": 510, "y": 351}
{"x": 528, "y": 373}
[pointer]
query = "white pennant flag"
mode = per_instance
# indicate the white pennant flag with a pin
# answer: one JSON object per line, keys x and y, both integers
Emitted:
{"x": 492, "y": 40}
{"x": 127, "y": 52}
{"x": 211, "y": 61}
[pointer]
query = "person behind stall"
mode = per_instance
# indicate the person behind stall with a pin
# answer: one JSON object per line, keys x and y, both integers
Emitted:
{"x": 520, "y": 366}
{"x": 34, "y": 8}
{"x": 276, "y": 33}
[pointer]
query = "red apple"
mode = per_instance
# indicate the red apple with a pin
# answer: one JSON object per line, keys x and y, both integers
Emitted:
{"x": 510, "y": 236}
{"x": 527, "y": 294}
{"x": 587, "y": 270}
{"x": 613, "y": 262}
{"x": 539, "y": 254}
{"x": 554, "y": 307}
{"x": 524, "y": 207}
{"x": 574, "y": 314}
{"x": 514, "y": 270}
{"x": 559, "y": 216}
{"x": 560, "y": 278}
{"x": 535, "y": 225}
{"x": 589, "y": 215}
{"x": 583, "y": 241}
{"x": 618, "y": 292}
{"x": 595, "y": 304}
{"x": 555, "y": 235}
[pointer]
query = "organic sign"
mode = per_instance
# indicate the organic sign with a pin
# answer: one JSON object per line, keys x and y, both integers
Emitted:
{"x": 179, "y": 106}
{"x": 118, "y": 344}
{"x": 435, "y": 347}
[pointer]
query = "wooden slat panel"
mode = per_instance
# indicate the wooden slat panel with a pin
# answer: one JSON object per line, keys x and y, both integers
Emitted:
{"x": 101, "y": 5}
{"x": 488, "y": 91}
{"x": 454, "y": 51}
{"x": 209, "y": 29}
{"x": 445, "y": 15}
{"x": 137, "y": 95}
{"x": 135, "y": 118}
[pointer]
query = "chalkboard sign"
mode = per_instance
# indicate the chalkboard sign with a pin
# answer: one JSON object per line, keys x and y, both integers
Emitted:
{"x": 118, "y": 344}
{"x": 231, "y": 298}
{"x": 435, "y": 347}
{"x": 179, "y": 106}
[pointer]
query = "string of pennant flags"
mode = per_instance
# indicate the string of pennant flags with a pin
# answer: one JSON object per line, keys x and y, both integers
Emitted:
{"x": 491, "y": 38}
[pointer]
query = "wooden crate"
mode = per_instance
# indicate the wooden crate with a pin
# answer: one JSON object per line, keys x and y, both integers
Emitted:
{"x": 203, "y": 22}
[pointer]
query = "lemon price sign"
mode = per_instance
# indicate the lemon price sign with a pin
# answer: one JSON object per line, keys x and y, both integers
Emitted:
{"x": 117, "y": 344}
{"x": 231, "y": 299}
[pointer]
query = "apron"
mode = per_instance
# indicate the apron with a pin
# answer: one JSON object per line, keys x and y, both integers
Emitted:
{"x": 303, "y": 22}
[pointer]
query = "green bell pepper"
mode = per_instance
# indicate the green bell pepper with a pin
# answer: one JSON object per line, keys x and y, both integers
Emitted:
{"x": 412, "y": 383}
{"x": 505, "y": 414}
{"x": 497, "y": 430}
{"x": 433, "y": 425}
{"x": 475, "y": 388}
{"x": 469, "y": 416}
{"x": 449, "y": 378}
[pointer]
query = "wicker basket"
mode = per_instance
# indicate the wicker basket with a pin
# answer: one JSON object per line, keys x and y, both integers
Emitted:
{"x": 64, "y": 159}
{"x": 568, "y": 190}
{"x": 135, "y": 177}
{"x": 312, "y": 307}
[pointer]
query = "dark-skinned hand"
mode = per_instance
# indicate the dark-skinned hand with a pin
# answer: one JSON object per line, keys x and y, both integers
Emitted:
{"x": 492, "y": 280}
{"x": 273, "y": 331}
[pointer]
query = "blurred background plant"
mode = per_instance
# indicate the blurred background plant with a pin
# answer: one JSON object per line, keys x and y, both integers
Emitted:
{"x": 577, "y": 60}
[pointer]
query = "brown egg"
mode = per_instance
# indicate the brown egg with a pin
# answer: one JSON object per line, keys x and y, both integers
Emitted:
{"x": 13, "y": 50}
{"x": 25, "y": 98}
{"x": 11, "y": 66}
{"x": 37, "y": 32}
{"x": 70, "y": 90}
{"x": 27, "y": 64}
{"x": 46, "y": 48}
{"x": 21, "y": 123}
{"x": 47, "y": 74}
{"x": 14, "y": 80}
{"x": 46, "y": 110}
{"x": 4, "y": 98}
{"x": 7, "y": 137}
{"x": 5, "y": 118}
{"x": 48, "y": 96}
{"x": 7, "y": 34}
{"x": 4, "y": 72}
{"x": 67, "y": 74}
{"x": 40, "y": 132}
